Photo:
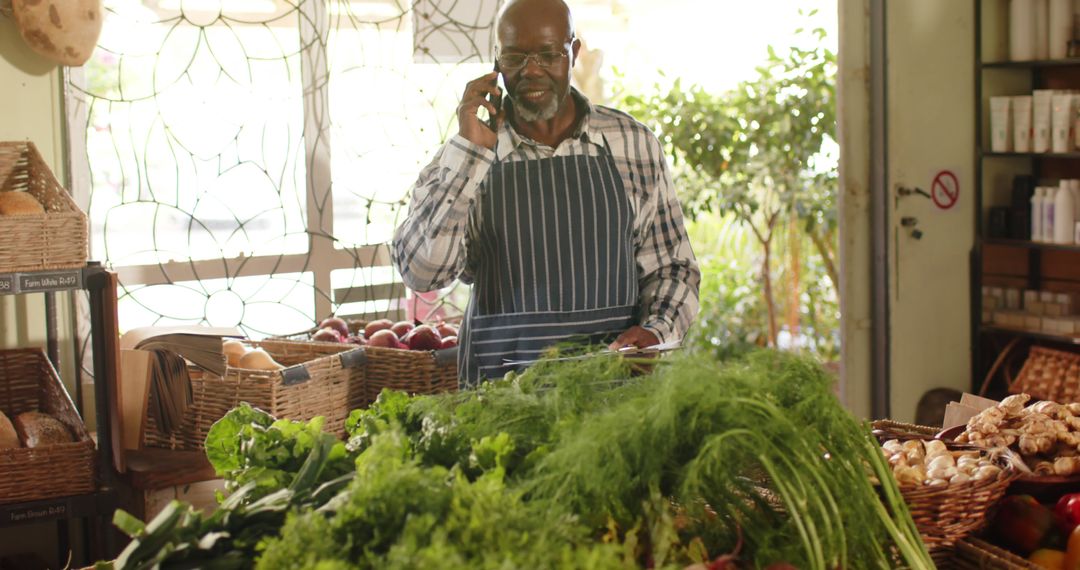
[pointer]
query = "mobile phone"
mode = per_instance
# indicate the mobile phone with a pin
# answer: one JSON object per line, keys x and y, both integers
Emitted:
{"x": 492, "y": 121}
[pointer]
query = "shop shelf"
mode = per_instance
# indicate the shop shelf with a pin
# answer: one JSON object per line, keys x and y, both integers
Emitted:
{"x": 1035, "y": 64}
{"x": 95, "y": 508}
{"x": 1031, "y": 244}
{"x": 1030, "y": 154}
{"x": 1035, "y": 335}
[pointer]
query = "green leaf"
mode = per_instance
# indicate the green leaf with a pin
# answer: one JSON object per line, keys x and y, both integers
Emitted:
{"x": 223, "y": 440}
{"x": 127, "y": 523}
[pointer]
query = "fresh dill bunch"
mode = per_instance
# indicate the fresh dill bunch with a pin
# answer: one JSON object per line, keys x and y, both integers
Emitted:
{"x": 760, "y": 441}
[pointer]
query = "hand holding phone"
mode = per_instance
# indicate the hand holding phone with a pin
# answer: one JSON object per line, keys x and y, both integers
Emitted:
{"x": 481, "y": 92}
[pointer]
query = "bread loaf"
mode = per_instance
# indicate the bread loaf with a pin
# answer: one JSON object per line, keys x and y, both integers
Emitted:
{"x": 19, "y": 204}
{"x": 8, "y": 438}
{"x": 37, "y": 429}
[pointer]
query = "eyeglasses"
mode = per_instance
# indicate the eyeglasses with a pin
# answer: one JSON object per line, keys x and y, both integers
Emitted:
{"x": 515, "y": 61}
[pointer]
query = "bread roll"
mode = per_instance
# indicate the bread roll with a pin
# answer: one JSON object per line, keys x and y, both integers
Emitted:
{"x": 19, "y": 204}
{"x": 37, "y": 429}
{"x": 234, "y": 350}
{"x": 259, "y": 359}
{"x": 8, "y": 438}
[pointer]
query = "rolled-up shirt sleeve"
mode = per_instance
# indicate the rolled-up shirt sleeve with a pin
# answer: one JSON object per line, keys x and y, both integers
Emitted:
{"x": 429, "y": 245}
{"x": 668, "y": 273}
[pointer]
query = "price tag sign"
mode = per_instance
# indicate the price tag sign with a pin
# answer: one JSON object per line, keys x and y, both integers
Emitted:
{"x": 37, "y": 513}
{"x": 52, "y": 281}
{"x": 7, "y": 284}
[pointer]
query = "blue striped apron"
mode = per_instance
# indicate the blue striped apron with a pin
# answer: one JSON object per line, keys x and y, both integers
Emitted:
{"x": 552, "y": 261}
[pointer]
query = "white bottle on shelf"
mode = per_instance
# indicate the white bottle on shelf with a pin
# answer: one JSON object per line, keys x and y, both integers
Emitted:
{"x": 1064, "y": 212}
{"x": 1074, "y": 186}
{"x": 1048, "y": 215}
{"x": 1061, "y": 27}
{"x": 1022, "y": 30}
{"x": 1037, "y": 214}
{"x": 1042, "y": 29}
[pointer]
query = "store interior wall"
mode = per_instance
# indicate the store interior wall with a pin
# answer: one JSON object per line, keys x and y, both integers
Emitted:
{"x": 30, "y": 104}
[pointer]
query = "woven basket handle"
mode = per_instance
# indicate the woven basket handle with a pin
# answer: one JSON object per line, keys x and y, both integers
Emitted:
{"x": 998, "y": 362}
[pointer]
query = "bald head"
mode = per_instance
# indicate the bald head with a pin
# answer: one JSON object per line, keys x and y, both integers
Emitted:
{"x": 518, "y": 15}
{"x": 537, "y": 50}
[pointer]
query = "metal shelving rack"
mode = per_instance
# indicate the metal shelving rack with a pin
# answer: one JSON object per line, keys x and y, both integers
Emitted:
{"x": 98, "y": 507}
{"x": 1037, "y": 75}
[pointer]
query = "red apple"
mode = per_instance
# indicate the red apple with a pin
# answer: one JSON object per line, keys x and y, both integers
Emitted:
{"x": 424, "y": 337}
{"x": 1021, "y": 523}
{"x": 336, "y": 323}
{"x": 401, "y": 346}
{"x": 446, "y": 329}
{"x": 375, "y": 326}
{"x": 448, "y": 342}
{"x": 384, "y": 338}
{"x": 326, "y": 335}
{"x": 402, "y": 328}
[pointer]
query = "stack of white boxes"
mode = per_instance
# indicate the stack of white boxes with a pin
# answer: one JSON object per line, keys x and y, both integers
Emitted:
{"x": 1036, "y": 311}
{"x": 1043, "y": 122}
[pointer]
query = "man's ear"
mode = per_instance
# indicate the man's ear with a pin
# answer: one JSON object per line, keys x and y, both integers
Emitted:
{"x": 575, "y": 47}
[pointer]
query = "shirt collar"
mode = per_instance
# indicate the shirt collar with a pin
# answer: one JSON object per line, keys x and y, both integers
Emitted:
{"x": 509, "y": 139}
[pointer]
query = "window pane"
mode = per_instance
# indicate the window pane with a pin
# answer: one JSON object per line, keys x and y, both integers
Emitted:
{"x": 260, "y": 305}
{"x": 388, "y": 115}
{"x": 194, "y": 134}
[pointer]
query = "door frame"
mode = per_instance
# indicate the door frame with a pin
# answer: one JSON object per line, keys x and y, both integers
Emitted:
{"x": 880, "y": 379}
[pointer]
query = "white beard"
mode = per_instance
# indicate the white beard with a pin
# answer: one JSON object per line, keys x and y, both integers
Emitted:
{"x": 529, "y": 113}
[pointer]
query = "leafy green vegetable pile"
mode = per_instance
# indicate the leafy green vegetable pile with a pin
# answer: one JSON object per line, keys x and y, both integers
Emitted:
{"x": 567, "y": 465}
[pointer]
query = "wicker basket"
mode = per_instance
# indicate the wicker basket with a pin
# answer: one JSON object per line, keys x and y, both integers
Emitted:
{"x": 889, "y": 429}
{"x": 412, "y": 371}
{"x": 1049, "y": 374}
{"x": 975, "y": 554}
{"x": 947, "y": 514}
{"x": 36, "y": 242}
{"x": 28, "y": 383}
{"x": 322, "y": 379}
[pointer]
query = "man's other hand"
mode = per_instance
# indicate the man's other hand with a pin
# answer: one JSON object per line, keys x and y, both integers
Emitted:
{"x": 635, "y": 336}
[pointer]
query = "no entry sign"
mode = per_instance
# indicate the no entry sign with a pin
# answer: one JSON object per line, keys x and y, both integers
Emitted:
{"x": 945, "y": 190}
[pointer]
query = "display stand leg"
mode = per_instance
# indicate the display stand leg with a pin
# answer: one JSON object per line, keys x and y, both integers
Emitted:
{"x": 102, "y": 286}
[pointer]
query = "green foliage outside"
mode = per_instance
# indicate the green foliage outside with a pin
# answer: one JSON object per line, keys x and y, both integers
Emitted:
{"x": 756, "y": 170}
